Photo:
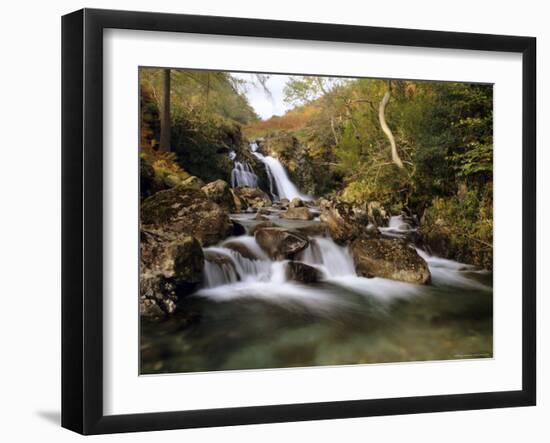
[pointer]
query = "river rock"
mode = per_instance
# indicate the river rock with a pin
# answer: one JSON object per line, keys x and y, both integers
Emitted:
{"x": 260, "y": 217}
{"x": 264, "y": 224}
{"x": 219, "y": 192}
{"x": 341, "y": 221}
{"x": 297, "y": 213}
{"x": 254, "y": 197}
{"x": 296, "y": 203}
{"x": 280, "y": 243}
{"x": 284, "y": 202}
{"x": 238, "y": 202}
{"x": 148, "y": 308}
{"x": 313, "y": 230}
{"x": 241, "y": 249}
{"x": 192, "y": 182}
{"x": 171, "y": 266}
{"x": 377, "y": 214}
{"x": 302, "y": 273}
{"x": 388, "y": 258}
{"x": 187, "y": 211}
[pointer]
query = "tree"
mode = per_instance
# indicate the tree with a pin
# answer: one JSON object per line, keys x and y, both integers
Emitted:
{"x": 165, "y": 117}
{"x": 381, "y": 115}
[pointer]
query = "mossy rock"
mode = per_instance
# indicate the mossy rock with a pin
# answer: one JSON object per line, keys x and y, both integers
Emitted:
{"x": 187, "y": 211}
{"x": 389, "y": 258}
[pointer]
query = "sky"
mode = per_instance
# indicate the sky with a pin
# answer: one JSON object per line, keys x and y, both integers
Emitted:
{"x": 264, "y": 105}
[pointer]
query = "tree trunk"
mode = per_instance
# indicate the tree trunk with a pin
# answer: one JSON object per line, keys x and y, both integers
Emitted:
{"x": 165, "y": 121}
{"x": 381, "y": 109}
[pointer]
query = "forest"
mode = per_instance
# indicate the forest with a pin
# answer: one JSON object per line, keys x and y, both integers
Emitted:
{"x": 380, "y": 179}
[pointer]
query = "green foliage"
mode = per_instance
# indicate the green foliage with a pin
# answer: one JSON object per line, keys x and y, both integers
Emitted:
{"x": 331, "y": 142}
{"x": 201, "y": 143}
{"x": 461, "y": 226}
{"x": 203, "y": 92}
{"x": 207, "y": 109}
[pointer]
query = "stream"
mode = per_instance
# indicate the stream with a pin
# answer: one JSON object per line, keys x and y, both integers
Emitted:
{"x": 251, "y": 316}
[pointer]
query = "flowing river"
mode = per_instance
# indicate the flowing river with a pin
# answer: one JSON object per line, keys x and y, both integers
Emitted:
{"x": 251, "y": 316}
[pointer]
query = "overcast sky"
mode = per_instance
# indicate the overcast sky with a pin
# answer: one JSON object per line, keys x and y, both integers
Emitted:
{"x": 264, "y": 105}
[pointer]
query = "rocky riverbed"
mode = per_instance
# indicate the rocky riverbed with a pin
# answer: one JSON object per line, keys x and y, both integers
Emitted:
{"x": 244, "y": 278}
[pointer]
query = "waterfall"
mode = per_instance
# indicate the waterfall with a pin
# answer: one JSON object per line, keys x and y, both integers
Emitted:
{"x": 241, "y": 268}
{"x": 242, "y": 173}
{"x": 326, "y": 255}
{"x": 280, "y": 185}
{"x": 397, "y": 227}
{"x": 278, "y": 178}
{"x": 217, "y": 275}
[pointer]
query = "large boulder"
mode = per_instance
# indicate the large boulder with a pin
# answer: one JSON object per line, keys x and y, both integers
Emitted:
{"x": 280, "y": 243}
{"x": 171, "y": 266}
{"x": 187, "y": 211}
{"x": 192, "y": 182}
{"x": 219, "y": 192}
{"x": 254, "y": 197}
{"x": 284, "y": 203}
{"x": 239, "y": 203}
{"x": 341, "y": 221}
{"x": 302, "y": 273}
{"x": 377, "y": 214}
{"x": 296, "y": 203}
{"x": 297, "y": 213}
{"x": 265, "y": 224}
{"x": 388, "y": 258}
{"x": 312, "y": 230}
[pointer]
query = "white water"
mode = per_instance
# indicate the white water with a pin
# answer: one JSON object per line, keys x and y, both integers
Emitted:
{"x": 278, "y": 178}
{"x": 216, "y": 275}
{"x": 451, "y": 273}
{"x": 397, "y": 227}
{"x": 264, "y": 279}
{"x": 243, "y": 175}
{"x": 326, "y": 255}
{"x": 243, "y": 269}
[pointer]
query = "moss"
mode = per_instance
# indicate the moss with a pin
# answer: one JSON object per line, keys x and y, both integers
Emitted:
{"x": 165, "y": 205}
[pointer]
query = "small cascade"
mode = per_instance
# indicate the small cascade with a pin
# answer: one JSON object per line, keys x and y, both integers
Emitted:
{"x": 447, "y": 272}
{"x": 240, "y": 268}
{"x": 218, "y": 275}
{"x": 397, "y": 227}
{"x": 333, "y": 260}
{"x": 243, "y": 175}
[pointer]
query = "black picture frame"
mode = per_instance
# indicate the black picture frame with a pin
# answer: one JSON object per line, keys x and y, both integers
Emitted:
{"x": 82, "y": 218}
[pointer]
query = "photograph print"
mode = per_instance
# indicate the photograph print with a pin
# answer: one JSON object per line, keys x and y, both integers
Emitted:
{"x": 292, "y": 221}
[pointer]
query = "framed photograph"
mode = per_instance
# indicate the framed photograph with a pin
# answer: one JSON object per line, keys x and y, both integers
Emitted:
{"x": 269, "y": 221}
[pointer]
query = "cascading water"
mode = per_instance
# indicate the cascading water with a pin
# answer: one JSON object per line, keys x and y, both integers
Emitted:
{"x": 243, "y": 175}
{"x": 253, "y": 314}
{"x": 278, "y": 178}
{"x": 280, "y": 185}
{"x": 332, "y": 259}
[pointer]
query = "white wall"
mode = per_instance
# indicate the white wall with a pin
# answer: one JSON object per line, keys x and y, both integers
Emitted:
{"x": 30, "y": 218}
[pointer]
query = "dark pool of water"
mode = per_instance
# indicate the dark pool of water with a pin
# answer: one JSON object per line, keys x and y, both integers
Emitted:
{"x": 331, "y": 323}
